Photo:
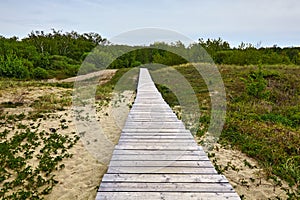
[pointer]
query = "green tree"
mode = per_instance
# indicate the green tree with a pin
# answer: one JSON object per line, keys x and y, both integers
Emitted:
{"x": 40, "y": 73}
{"x": 256, "y": 84}
{"x": 13, "y": 67}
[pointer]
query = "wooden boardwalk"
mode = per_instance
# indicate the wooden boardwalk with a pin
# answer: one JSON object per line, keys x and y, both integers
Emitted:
{"x": 157, "y": 158}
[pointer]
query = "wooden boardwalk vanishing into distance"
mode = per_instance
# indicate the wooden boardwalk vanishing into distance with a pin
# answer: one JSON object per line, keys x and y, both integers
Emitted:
{"x": 157, "y": 158}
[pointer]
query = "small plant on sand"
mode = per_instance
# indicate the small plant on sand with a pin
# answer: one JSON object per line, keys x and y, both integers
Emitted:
{"x": 19, "y": 177}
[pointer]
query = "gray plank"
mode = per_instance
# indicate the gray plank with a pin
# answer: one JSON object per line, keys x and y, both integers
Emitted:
{"x": 162, "y": 135}
{"x": 166, "y": 195}
{"x": 160, "y": 140}
{"x": 149, "y": 113}
{"x": 157, "y": 146}
{"x": 154, "y": 147}
{"x": 156, "y": 119}
{"x": 159, "y": 152}
{"x": 166, "y": 187}
{"x": 162, "y": 143}
{"x": 155, "y": 130}
{"x": 137, "y": 118}
{"x": 174, "y": 123}
{"x": 173, "y": 157}
{"x": 163, "y": 170}
{"x": 161, "y": 163}
{"x": 156, "y": 136}
{"x": 154, "y": 126}
{"x": 171, "y": 178}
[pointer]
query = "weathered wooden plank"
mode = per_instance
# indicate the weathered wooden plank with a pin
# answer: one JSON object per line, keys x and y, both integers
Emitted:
{"x": 175, "y": 135}
{"x": 167, "y": 195}
{"x": 146, "y": 125}
{"x": 174, "y": 123}
{"x": 154, "y": 119}
{"x": 161, "y": 163}
{"x": 159, "y": 152}
{"x": 155, "y": 130}
{"x": 149, "y": 135}
{"x": 166, "y": 187}
{"x": 160, "y": 146}
{"x": 170, "y": 178}
{"x": 150, "y": 117}
{"x": 183, "y": 146}
{"x": 162, "y": 143}
{"x": 155, "y": 136}
{"x": 151, "y": 108}
{"x": 165, "y": 178}
{"x": 173, "y": 157}
{"x": 150, "y": 99}
{"x": 158, "y": 137}
{"x": 154, "y": 126}
{"x": 153, "y": 114}
{"x": 167, "y": 134}
{"x": 149, "y": 113}
{"x": 143, "y": 140}
{"x": 151, "y": 147}
{"x": 163, "y": 170}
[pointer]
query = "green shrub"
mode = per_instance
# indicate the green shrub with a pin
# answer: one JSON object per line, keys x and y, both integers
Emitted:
{"x": 13, "y": 67}
{"x": 40, "y": 73}
{"x": 256, "y": 84}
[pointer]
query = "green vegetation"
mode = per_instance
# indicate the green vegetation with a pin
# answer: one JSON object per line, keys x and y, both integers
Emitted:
{"x": 59, "y": 55}
{"x": 104, "y": 92}
{"x": 33, "y": 182}
{"x": 11, "y": 84}
{"x": 262, "y": 119}
{"x": 40, "y": 56}
{"x": 168, "y": 94}
{"x": 29, "y": 155}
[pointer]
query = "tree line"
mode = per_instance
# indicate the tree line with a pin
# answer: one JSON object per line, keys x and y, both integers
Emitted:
{"x": 45, "y": 55}
{"x": 59, "y": 55}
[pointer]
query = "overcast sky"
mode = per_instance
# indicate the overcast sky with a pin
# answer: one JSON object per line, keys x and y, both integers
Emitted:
{"x": 267, "y": 22}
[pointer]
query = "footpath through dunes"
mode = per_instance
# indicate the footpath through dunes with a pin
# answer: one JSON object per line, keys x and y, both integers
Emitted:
{"x": 157, "y": 158}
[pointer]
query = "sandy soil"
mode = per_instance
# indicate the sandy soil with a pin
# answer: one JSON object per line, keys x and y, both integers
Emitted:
{"x": 245, "y": 175}
{"x": 83, "y": 172}
{"x": 105, "y": 75}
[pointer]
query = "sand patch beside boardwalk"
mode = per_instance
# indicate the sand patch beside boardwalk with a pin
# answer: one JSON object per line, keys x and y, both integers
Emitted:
{"x": 245, "y": 175}
{"x": 105, "y": 75}
{"x": 83, "y": 172}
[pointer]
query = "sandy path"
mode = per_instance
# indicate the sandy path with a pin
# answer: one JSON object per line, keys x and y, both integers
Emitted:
{"x": 104, "y": 74}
